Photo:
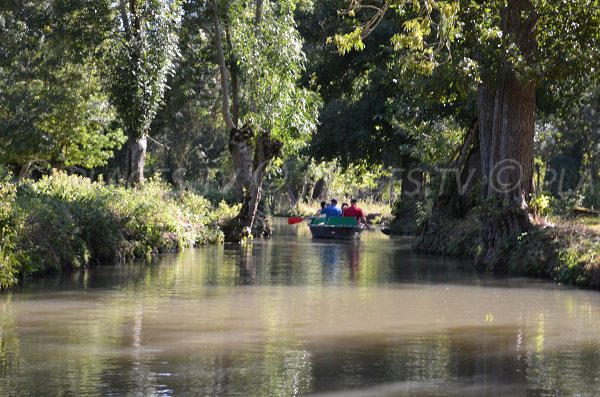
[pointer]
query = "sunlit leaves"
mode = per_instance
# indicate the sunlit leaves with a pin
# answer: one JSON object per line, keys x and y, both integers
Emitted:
{"x": 424, "y": 40}
{"x": 52, "y": 107}
{"x": 348, "y": 41}
{"x": 271, "y": 61}
{"x": 434, "y": 141}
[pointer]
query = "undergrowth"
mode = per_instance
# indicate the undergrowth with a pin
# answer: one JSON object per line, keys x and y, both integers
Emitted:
{"x": 67, "y": 222}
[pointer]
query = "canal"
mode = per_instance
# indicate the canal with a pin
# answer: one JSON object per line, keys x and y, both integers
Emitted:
{"x": 296, "y": 317}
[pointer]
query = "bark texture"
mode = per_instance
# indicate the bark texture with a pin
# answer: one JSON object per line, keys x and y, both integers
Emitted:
{"x": 411, "y": 193}
{"x": 499, "y": 148}
{"x": 136, "y": 158}
{"x": 250, "y": 154}
{"x": 458, "y": 186}
{"x": 136, "y": 137}
{"x": 412, "y": 180}
{"x": 241, "y": 148}
{"x": 250, "y": 162}
{"x": 506, "y": 136}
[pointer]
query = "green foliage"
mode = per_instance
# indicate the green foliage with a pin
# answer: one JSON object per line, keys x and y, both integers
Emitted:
{"x": 348, "y": 42}
{"x": 377, "y": 109}
{"x": 435, "y": 142}
{"x": 52, "y": 106}
{"x": 192, "y": 135}
{"x": 139, "y": 57}
{"x": 410, "y": 216}
{"x": 428, "y": 30}
{"x": 569, "y": 270}
{"x": 270, "y": 60}
{"x": 9, "y": 258}
{"x": 66, "y": 222}
{"x": 540, "y": 204}
{"x": 564, "y": 204}
{"x": 354, "y": 180}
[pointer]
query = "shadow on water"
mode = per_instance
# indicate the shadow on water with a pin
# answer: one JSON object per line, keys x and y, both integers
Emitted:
{"x": 291, "y": 317}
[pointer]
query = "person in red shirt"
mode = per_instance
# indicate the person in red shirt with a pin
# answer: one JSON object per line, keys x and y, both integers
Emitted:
{"x": 355, "y": 211}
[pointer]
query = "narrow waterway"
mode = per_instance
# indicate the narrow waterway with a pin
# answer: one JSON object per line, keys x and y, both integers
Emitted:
{"x": 292, "y": 317}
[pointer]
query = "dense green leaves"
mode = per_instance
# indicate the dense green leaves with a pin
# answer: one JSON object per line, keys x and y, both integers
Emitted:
{"x": 52, "y": 106}
{"x": 266, "y": 49}
{"x": 140, "y": 56}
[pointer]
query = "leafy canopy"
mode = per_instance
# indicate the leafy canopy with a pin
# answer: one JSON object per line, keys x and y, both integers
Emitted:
{"x": 52, "y": 107}
{"x": 140, "y": 56}
{"x": 271, "y": 61}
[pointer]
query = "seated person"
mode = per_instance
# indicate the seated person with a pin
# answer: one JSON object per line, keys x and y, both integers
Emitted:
{"x": 331, "y": 210}
{"x": 344, "y": 206}
{"x": 355, "y": 211}
{"x": 320, "y": 211}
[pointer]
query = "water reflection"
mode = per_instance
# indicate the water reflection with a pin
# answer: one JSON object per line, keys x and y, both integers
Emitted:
{"x": 294, "y": 317}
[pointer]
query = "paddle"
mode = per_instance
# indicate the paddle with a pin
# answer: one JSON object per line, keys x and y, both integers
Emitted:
{"x": 294, "y": 220}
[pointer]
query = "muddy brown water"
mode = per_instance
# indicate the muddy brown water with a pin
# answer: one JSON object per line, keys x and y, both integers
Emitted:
{"x": 296, "y": 317}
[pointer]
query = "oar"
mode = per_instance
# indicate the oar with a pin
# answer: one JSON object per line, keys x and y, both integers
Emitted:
{"x": 294, "y": 220}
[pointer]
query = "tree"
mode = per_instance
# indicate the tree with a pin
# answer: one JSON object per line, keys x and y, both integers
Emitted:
{"x": 140, "y": 56}
{"x": 355, "y": 121}
{"x": 260, "y": 59}
{"x": 52, "y": 107}
{"x": 189, "y": 127}
{"x": 514, "y": 47}
{"x": 378, "y": 110}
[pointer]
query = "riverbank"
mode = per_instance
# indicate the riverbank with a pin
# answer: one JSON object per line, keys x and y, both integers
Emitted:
{"x": 567, "y": 252}
{"x": 65, "y": 222}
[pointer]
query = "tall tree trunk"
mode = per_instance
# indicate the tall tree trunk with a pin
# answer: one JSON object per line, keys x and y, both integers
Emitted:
{"x": 250, "y": 162}
{"x": 411, "y": 192}
{"x": 218, "y": 36}
{"x": 250, "y": 155}
{"x": 506, "y": 136}
{"x": 266, "y": 149}
{"x": 412, "y": 180}
{"x": 486, "y": 98}
{"x": 136, "y": 157}
{"x": 241, "y": 149}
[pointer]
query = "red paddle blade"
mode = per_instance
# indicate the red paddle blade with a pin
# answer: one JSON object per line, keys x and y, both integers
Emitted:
{"x": 294, "y": 219}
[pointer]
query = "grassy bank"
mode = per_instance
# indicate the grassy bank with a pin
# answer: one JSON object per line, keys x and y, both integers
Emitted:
{"x": 568, "y": 252}
{"x": 66, "y": 222}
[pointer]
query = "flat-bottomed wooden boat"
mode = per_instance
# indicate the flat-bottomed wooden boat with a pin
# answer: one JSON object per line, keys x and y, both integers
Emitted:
{"x": 336, "y": 228}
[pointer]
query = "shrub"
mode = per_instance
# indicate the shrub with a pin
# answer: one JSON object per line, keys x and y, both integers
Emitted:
{"x": 540, "y": 204}
{"x": 592, "y": 198}
{"x": 564, "y": 204}
{"x": 65, "y": 222}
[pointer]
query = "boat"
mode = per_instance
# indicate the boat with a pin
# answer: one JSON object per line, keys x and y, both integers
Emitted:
{"x": 336, "y": 228}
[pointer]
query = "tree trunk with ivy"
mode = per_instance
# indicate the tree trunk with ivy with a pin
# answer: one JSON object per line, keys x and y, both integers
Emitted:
{"x": 251, "y": 157}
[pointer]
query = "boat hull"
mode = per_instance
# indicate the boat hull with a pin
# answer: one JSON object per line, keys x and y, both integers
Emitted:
{"x": 335, "y": 232}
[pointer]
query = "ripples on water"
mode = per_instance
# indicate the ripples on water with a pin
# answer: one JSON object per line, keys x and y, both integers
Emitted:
{"x": 292, "y": 317}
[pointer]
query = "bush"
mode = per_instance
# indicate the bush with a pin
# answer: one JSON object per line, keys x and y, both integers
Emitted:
{"x": 540, "y": 204}
{"x": 9, "y": 258}
{"x": 592, "y": 198}
{"x": 66, "y": 222}
{"x": 564, "y": 204}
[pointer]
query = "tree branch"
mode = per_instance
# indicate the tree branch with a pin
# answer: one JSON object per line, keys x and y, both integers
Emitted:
{"x": 222, "y": 66}
{"x": 235, "y": 83}
{"x": 124, "y": 18}
{"x": 137, "y": 19}
{"x": 258, "y": 15}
